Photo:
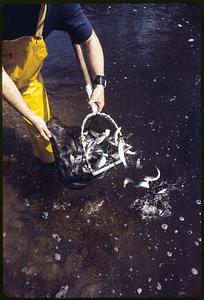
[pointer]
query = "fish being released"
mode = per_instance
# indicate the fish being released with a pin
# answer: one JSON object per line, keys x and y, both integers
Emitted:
{"x": 81, "y": 159}
{"x": 147, "y": 179}
{"x": 126, "y": 181}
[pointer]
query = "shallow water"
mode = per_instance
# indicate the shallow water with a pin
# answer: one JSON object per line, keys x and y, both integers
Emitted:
{"x": 94, "y": 242}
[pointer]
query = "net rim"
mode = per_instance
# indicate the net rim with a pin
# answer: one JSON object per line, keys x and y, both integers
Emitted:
{"x": 83, "y": 138}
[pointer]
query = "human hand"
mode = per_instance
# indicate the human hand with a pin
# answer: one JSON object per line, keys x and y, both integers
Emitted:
{"x": 97, "y": 97}
{"x": 41, "y": 127}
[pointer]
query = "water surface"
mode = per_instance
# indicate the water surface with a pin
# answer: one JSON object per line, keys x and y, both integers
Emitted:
{"x": 94, "y": 242}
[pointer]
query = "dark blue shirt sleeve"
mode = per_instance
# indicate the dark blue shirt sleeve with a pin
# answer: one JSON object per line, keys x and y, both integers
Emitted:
{"x": 74, "y": 21}
{"x": 21, "y": 20}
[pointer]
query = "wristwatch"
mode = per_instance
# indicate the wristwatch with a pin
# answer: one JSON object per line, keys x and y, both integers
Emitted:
{"x": 100, "y": 79}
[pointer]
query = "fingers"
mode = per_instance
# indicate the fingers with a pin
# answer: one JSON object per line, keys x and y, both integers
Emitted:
{"x": 47, "y": 132}
{"x": 97, "y": 97}
{"x": 44, "y": 135}
{"x": 96, "y": 105}
{"x": 42, "y": 129}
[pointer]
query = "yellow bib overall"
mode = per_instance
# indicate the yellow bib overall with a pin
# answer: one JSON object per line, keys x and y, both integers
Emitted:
{"x": 22, "y": 60}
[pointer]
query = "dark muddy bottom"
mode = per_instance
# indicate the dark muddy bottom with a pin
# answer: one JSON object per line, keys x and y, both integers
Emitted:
{"x": 95, "y": 242}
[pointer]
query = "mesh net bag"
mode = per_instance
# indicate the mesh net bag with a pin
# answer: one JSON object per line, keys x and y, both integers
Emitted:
{"x": 85, "y": 153}
{"x": 69, "y": 155}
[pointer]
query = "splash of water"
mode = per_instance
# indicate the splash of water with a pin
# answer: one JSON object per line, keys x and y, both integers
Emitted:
{"x": 154, "y": 203}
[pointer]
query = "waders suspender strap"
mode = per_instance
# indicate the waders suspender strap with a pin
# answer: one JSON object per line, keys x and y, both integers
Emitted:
{"x": 41, "y": 19}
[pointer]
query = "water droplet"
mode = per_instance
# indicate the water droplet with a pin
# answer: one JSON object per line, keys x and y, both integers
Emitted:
{"x": 164, "y": 226}
{"x": 169, "y": 254}
{"x": 45, "y": 215}
{"x": 159, "y": 287}
{"x": 57, "y": 256}
{"x": 194, "y": 271}
{"x": 56, "y": 237}
{"x": 139, "y": 290}
{"x": 181, "y": 219}
{"x": 116, "y": 249}
{"x": 198, "y": 202}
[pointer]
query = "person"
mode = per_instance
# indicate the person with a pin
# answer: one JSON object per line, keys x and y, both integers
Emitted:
{"x": 25, "y": 28}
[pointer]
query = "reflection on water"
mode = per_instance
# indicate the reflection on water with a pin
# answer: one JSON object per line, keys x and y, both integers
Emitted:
{"x": 94, "y": 242}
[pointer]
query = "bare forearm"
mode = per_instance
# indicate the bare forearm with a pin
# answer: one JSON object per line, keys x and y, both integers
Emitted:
{"x": 94, "y": 55}
{"x": 12, "y": 95}
{"x": 95, "y": 59}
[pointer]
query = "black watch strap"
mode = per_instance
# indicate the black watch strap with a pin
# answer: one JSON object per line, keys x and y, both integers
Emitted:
{"x": 100, "y": 79}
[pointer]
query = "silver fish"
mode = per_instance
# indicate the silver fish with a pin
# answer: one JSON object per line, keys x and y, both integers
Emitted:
{"x": 126, "y": 181}
{"x": 143, "y": 184}
{"x": 102, "y": 137}
{"x": 94, "y": 133}
{"x": 147, "y": 179}
{"x": 121, "y": 152}
{"x": 151, "y": 178}
{"x": 129, "y": 152}
{"x": 138, "y": 163}
{"x": 101, "y": 162}
{"x": 163, "y": 191}
{"x": 116, "y": 135}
